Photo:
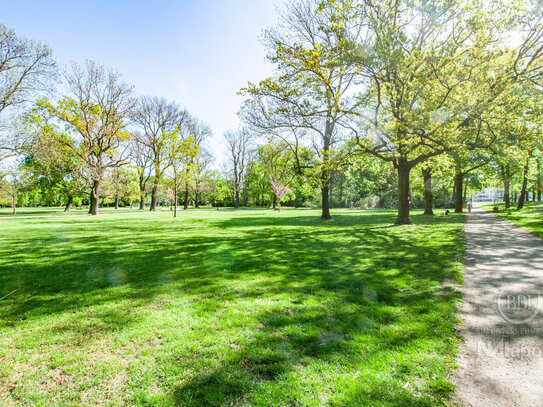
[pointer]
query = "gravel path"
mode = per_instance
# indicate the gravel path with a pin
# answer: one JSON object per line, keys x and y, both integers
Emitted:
{"x": 501, "y": 359}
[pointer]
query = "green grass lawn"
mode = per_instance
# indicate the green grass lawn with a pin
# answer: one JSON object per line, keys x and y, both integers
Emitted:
{"x": 229, "y": 308}
{"x": 530, "y": 217}
{"x": 59, "y": 211}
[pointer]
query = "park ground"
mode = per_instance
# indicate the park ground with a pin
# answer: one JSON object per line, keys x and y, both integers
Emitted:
{"x": 500, "y": 361}
{"x": 59, "y": 211}
{"x": 248, "y": 308}
{"x": 529, "y": 218}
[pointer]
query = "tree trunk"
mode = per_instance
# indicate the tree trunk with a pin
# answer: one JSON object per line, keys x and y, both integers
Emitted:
{"x": 428, "y": 196}
{"x": 196, "y": 200}
{"x": 325, "y": 186}
{"x": 186, "y": 200}
{"x": 236, "y": 199}
{"x": 330, "y": 193}
{"x": 506, "y": 194}
{"x": 403, "y": 195}
{"x": 326, "y": 174}
{"x": 522, "y": 195}
{"x": 175, "y": 201}
{"x": 340, "y": 193}
{"x": 325, "y": 215}
{"x": 245, "y": 197}
{"x": 116, "y": 201}
{"x": 142, "y": 192}
{"x": 154, "y": 197}
{"x": 14, "y": 197}
{"x": 506, "y": 185}
{"x": 69, "y": 204}
{"x": 274, "y": 201}
{"x": 466, "y": 190}
{"x": 459, "y": 202}
{"x": 538, "y": 180}
{"x": 94, "y": 198}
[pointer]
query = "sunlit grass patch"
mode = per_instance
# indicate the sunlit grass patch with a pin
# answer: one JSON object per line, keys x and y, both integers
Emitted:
{"x": 228, "y": 308}
{"x": 529, "y": 218}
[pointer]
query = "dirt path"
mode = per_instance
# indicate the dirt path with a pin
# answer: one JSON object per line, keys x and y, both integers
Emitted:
{"x": 501, "y": 360}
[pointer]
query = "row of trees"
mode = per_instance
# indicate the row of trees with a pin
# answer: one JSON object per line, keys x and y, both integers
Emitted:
{"x": 413, "y": 83}
{"x": 364, "y": 183}
{"x": 99, "y": 143}
{"x": 98, "y": 140}
{"x": 99, "y": 127}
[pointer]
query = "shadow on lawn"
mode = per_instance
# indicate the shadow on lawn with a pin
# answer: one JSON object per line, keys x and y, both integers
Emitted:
{"x": 349, "y": 277}
{"x": 365, "y": 298}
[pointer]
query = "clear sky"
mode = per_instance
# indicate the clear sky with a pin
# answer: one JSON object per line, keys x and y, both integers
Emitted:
{"x": 196, "y": 52}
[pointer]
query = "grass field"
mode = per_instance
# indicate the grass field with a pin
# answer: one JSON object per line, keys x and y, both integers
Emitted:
{"x": 59, "y": 211}
{"x": 529, "y": 218}
{"x": 228, "y": 308}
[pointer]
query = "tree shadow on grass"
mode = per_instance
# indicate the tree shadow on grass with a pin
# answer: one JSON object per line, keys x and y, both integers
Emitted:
{"x": 351, "y": 301}
{"x": 335, "y": 295}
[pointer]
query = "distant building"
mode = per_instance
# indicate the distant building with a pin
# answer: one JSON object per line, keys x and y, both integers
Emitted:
{"x": 489, "y": 195}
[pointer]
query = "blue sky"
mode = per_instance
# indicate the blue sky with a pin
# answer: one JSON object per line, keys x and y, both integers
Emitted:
{"x": 198, "y": 53}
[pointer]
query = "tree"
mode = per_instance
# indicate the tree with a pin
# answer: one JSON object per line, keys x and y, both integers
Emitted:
{"x": 15, "y": 182}
{"x": 309, "y": 97}
{"x": 464, "y": 163}
{"x": 142, "y": 161}
{"x": 428, "y": 195}
{"x": 279, "y": 162}
{"x": 202, "y": 181}
{"x": 520, "y": 136}
{"x": 182, "y": 149}
{"x": 26, "y": 67}
{"x": 158, "y": 119}
{"x": 52, "y": 157}
{"x": 96, "y": 111}
{"x": 530, "y": 135}
{"x": 239, "y": 145}
{"x": 435, "y": 71}
{"x": 116, "y": 182}
{"x": 539, "y": 184}
{"x": 279, "y": 190}
{"x": 200, "y": 132}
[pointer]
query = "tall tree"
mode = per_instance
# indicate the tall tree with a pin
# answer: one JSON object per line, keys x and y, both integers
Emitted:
{"x": 200, "y": 133}
{"x": 158, "y": 119}
{"x": 182, "y": 149}
{"x": 96, "y": 111}
{"x": 142, "y": 161}
{"x": 202, "y": 164}
{"x": 312, "y": 90}
{"x": 15, "y": 181}
{"x": 52, "y": 157}
{"x": 279, "y": 162}
{"x": 26, "y": 68}
{"x": 239, "y": 145}
{"x": 435, "y": 70}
